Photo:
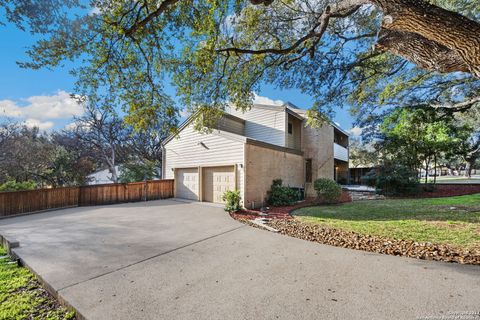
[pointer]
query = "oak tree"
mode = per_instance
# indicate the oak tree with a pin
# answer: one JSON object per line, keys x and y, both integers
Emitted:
{"x": 363, "y": 52}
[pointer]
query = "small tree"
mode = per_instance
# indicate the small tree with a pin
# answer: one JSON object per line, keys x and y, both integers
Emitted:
{"x": 232, "y": 200}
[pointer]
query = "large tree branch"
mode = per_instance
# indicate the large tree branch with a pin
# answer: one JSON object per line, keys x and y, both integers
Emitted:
{"x": 447, "y": 28}
{"x": 425, "y": 53}
{"x": 458, "y": 107}
{"x": 340, "y": 10}
{"x": 152, "y": 15}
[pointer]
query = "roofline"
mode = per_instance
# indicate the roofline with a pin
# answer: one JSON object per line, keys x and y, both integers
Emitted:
{"x": 294, "y": 114}
{"x": 340, "y": 129}
{"x": 190, "y": 119}
{"x": 180, "y": 128}
{"x": 286, "y": 107}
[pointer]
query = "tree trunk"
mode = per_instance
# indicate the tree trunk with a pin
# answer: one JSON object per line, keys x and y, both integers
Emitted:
{"x": 435, "y": 169}
{"x": 427, "y": 164}
{"x": 468, "y": 169}
{"x": 446, "y": 28}
{"x": 424, "y": 53}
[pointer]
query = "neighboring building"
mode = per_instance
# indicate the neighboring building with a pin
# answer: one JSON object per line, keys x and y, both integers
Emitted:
{"x": 246, "y": 151}
{"x": 102, "y": 176}
{"x": 359, "y": 171}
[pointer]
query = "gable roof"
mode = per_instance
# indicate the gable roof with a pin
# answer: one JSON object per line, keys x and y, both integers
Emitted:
{"x": 288, "y": 107}
{"x": 192, "y": 117}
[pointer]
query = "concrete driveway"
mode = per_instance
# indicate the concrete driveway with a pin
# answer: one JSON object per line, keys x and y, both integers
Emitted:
{"x": 174, "y": 260}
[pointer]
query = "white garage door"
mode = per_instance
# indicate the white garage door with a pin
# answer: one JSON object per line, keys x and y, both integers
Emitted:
{"x": 187, "y": 183}
{"x": 216, "y": 181}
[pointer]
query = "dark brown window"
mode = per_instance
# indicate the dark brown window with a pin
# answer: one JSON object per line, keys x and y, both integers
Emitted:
{"x": 290, "y": 128}
{"x": 308, "y": 170}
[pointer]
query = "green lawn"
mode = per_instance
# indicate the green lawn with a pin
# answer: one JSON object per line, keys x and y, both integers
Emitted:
{"x": 21, "y": 296}
{"x": 452, "y": 220}
{"x": 455, "y": 179}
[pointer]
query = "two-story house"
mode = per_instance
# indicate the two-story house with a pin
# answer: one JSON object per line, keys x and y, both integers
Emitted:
{"x": 247, "y": 150}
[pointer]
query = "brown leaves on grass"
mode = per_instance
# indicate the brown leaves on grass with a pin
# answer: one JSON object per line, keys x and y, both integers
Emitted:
{"x": 353, "y": 240}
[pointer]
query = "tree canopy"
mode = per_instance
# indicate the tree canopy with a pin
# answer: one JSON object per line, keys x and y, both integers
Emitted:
{"x": 367, "y": 53}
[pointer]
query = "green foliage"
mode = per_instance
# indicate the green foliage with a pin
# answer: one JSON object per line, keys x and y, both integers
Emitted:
{"x": 369, "y": 179}
{"x": 327, "y": 190}
{"x": 22, "y": 297}
{"x": 13, "y": 185}
{"x": 138, "y": 171}
{"x": 397, "y": 179}
{"x": 232, "y": 200}
{"x": 54, "y": 159}
{"x": 137, "y": 47}
{"x": 280, "y": 195}
{"x": 417, "y": 138}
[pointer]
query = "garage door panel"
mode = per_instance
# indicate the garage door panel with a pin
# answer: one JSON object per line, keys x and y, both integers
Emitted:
{"x": 187, "y": 183}
{"x": 217, "y": 180}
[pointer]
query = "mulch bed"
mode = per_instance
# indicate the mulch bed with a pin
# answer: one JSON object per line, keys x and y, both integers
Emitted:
{"x": 281, "y": 220}
{"x": 283, "y": 212}
{"x": 450, "y": 190}
{"x": 352, "y": 240}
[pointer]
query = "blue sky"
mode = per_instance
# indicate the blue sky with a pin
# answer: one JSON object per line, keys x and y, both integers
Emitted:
{"x": 41, "y": 97}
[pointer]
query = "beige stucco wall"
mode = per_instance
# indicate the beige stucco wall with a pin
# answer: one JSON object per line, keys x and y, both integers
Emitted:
{"x": 262, "y": 165}
{"x": 318, "y": 145}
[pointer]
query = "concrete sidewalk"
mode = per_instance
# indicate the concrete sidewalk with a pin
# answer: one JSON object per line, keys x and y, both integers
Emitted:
{"x": 173, "y": 260}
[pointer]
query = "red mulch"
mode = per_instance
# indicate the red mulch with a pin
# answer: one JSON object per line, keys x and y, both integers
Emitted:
{"x": 450, "y": 190}
{"x": 283, "y": 212}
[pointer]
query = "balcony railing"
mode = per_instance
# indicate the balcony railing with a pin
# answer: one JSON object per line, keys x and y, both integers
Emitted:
{"x": 339, "y": 152}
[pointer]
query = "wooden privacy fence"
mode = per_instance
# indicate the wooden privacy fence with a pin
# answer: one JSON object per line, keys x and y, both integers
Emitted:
{"x": 18, "y": 202}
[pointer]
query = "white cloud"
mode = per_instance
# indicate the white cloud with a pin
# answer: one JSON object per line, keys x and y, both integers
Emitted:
{"x": 71, "y": 126}
{"x": 41, "y": 110}
{"x": 42, "y": 125}
{"x": 355, "y": 131}
{"x": 265, "y": 100}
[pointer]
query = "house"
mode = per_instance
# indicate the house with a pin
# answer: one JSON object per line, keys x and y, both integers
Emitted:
{"x": 247, "y": 150}
{"x": 102, "y": 176}
{"x": 357, "y": 172}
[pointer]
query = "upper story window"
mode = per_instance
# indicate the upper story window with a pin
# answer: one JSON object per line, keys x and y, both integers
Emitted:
{"x": 290, "y": 128}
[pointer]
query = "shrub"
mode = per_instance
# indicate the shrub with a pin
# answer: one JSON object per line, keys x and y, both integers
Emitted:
{"x": 13, "y": 185}
{"x": 232, "y": 200}
{"x": 327, "y": 190}
{"x": 397, "y": 179}
{"x": 370, "y": 178}
{"x": 280, "y": 195}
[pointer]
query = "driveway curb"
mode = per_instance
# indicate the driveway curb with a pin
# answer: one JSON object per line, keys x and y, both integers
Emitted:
{"x": 10, "y": 244}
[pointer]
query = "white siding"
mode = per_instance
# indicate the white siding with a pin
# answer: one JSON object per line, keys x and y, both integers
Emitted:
{"x": 264, "y": 124}
{"x": 186, "y": 151}
{"x": 339, "y": 152}
{"x": 231, "y": 125}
